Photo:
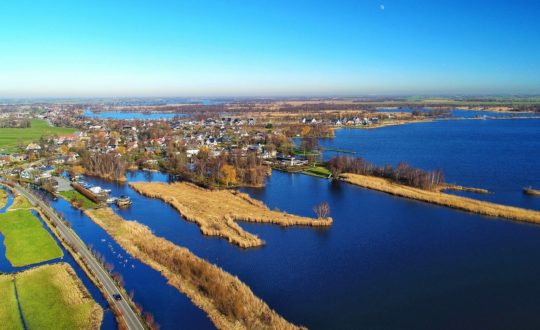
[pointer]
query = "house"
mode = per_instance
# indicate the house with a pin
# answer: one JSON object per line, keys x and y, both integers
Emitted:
{"x": 192, "y": 152}
{"x": 18, "y": 157}
{"x": 33, "y": 147}
{"x": 72, "y": 157}
{"x": 4, "y": 160}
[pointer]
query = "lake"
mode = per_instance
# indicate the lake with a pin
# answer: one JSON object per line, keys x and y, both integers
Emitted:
{"x": 500, "y": 155}
{"x": 387, "y": 262}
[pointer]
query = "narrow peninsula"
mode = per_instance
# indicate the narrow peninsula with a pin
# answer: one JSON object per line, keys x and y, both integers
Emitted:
{"x": 443, "y": 199}
{"x": 229, "y": 303}
{"x": 216, "y": 211}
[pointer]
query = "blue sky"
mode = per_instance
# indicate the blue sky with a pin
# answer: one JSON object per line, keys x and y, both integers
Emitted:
{"x": 268, "y": 47}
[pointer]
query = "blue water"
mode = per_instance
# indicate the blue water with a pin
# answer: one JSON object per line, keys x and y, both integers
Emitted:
{"x": 502, "y": 156}
{"x": 459, "y": 113}
{"x": 386, "y": 263}
{"x": 170, "y": 308}
{"x": 109, "y": 321}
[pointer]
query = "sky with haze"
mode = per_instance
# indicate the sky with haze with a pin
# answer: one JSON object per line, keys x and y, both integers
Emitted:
{"x": 268, "y": 48}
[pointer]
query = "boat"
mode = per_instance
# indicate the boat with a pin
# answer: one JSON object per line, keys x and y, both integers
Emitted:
{"x": 123, "y": 201}
{"x": 111, "y": 200}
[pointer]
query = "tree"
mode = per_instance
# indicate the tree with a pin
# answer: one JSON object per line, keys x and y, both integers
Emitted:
{"x": 322, "y": 210}
{"x": 229, "y": 174}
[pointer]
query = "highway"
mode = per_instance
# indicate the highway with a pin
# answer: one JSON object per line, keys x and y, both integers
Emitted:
{"x": 109, "y": 287}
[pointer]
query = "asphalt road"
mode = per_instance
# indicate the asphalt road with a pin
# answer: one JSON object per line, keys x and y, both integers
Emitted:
{"x": 107, "y": 283}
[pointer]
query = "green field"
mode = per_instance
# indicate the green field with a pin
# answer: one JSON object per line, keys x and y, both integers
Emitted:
{"x": 80, "y": 198}
{"x": 26, "y": 241}
{"x": 318, "y": 171}
{"x": 9, "y": 312}
{"x": 20, "y": 202}
{"x": 50, "y": 297}
{"x": 10, "y": 138}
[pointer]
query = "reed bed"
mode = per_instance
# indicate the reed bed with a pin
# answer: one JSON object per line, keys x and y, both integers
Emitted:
{"x": 229, "y": 303}
{"x": 216, "y": 211}
{"x": 461, "y": 188}
{"x": 439, "y": 198}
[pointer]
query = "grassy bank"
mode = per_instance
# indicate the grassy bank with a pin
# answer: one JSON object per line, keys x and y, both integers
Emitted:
{"x": 215, "y": 211}
{"x": 78, "y": 199}
{"x": 20, "y": 203}
{"x": 229, "y": 303}
{"x": 26, "y": 241}
{"x": 13, "y": 137}
{"x": 50, "y": 297}
{"x": 439, "y": 198}
{"x": 319, "y": 171}
{"x": 9, "y": 311}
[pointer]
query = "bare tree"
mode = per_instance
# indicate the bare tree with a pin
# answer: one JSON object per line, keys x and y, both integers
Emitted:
{"x": 322, "y": 210}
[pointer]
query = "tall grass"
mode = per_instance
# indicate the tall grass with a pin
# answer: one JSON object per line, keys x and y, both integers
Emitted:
{"x": 435, "y": 197}
{"x": 229, "y": 303}
{"x": 216, "y": 211}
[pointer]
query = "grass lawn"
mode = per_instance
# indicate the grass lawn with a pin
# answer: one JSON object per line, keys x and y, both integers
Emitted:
{"x": 9, "y": 311}
{"x": 53, "y": 297}
{"x": 80, "y": 198}
{"x": 26, "y": 241}
{"x": 20, "y": 203}
{"x": 10, "y": 138}
{"x": 318, "y": 171}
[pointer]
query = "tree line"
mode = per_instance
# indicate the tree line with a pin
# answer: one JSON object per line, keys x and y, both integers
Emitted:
{"x": 109, "y": 166}
{"x": 403, "y": 173}
{"x": 231, "y": 168}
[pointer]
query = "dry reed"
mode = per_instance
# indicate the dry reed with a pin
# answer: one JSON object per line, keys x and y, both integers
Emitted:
{"x": 438, "y": 198}
{"x": 229, "y": 303}
{"x": 215, "y": 211}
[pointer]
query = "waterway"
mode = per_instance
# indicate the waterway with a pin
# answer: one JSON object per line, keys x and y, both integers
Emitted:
{"x": 387, "y": 262}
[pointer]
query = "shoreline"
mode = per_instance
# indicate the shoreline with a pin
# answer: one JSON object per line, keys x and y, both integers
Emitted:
{"x": 217, "y": 212}
{"x": 229, "y": 303}
{"x": 442, "y": 199}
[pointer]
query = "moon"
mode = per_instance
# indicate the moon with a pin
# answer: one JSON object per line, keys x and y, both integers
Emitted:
{"x": 382, "y": 7}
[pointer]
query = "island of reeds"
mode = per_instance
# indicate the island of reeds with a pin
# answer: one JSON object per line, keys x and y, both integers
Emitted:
{"x": 425, "y": 186}
{"x": 216, "y": 211}
{"x": 229, "y": 303}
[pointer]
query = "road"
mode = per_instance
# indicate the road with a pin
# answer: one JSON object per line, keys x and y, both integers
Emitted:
{"x": 110, "y": 288}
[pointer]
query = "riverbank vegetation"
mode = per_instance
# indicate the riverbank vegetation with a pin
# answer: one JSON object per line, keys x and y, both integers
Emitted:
{"x": 403, "y": 174}
{"x": 50, "y": 297}
{"x": 109, "y": 166}
{"x": 3, "y": 198}
{"x": 438, "y": 198}
{"x": 216, "y": 211}
{"x": 531, "y": 192}
{"x": 77, "y": 199}
{"x": 26, "y": 240}
{"x": 230, "y": 169}
{"x": 229, "y": 303}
